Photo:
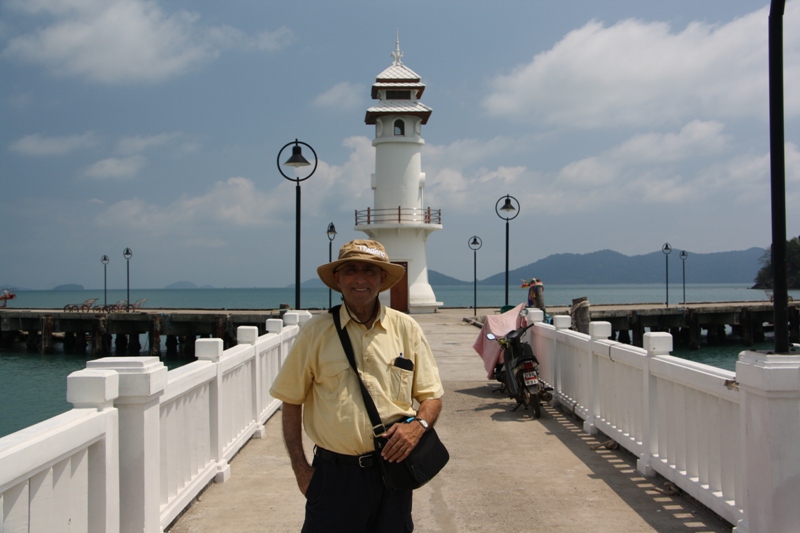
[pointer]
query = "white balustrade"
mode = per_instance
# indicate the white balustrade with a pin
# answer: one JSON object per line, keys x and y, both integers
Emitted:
{"x": 63, "y": 474}
{"x": 141, "y": 442}
{"x": 730, "y": 445}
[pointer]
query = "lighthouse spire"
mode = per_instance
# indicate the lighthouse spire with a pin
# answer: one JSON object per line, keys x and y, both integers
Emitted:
{"x": 397, "y": 54}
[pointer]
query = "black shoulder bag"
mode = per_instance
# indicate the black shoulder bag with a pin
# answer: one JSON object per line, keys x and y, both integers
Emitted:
{"x": 426, "y": 459}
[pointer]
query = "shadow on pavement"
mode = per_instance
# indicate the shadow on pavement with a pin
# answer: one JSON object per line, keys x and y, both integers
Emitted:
{"x": 661, "y": 504}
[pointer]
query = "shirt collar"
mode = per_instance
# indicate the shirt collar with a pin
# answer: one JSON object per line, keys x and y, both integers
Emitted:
{"x": 344, "y": 316}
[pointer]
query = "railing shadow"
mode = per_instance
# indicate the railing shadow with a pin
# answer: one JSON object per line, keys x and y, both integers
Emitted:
{"x": 657, "y": 501}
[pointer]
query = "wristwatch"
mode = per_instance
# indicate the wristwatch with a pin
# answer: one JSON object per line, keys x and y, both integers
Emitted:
{"x": 423, "y": 422}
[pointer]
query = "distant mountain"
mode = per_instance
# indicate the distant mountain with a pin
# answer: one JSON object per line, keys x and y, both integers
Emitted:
{"x": 437, "y": 278}
{"x": 68, "y": 287}
{"x": 608, "y": 266}
{"x": 312, "y": 283}
{"x": 186, "y": 285}
{"x": 6, "y": 287}
{"x": 181, "y": 285}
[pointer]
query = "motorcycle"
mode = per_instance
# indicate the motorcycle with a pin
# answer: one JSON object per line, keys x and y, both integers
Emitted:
{"x": 518, "y": 374}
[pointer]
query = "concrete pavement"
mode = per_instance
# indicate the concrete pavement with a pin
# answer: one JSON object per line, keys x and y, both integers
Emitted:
{"x": 507, "y": 472}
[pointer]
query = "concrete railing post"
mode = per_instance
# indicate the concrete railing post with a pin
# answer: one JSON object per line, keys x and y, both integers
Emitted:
{"x": 249, "y": 335}
{"x": 560, "y": 322}
{"x": 655, "y": 343}
{"x": 142, "y": 381}
{"x": 97, "y": 389}
{"x": 598, "y": 331}
{"x": 535, "y": 315}
{"x": 291, "y": 318}
{"x": 274, "y": 325}
{"x": 769, "y": 425}
{"x": 211, "y": 350}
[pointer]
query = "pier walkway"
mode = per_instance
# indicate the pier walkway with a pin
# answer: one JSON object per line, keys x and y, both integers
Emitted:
{"x": 507, "y": 471}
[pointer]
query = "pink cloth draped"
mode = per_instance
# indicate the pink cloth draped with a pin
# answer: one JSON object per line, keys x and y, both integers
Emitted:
{"x": 499, "y": 325}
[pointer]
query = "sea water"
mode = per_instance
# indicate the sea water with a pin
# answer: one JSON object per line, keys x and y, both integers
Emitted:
{"x": 33, "y": 386}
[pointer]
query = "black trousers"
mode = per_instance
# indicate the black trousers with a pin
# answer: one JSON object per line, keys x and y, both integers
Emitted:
{"x": 350, "y": 499}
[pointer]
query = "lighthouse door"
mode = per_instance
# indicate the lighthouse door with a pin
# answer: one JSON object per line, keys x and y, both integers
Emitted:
{"x": 398, "y": 294}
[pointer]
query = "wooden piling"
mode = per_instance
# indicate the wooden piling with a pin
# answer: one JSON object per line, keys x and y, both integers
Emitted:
{"x": 154, "y": 337}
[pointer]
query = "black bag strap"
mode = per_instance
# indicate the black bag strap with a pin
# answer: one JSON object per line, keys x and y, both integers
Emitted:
{"x": 378, "y": 428}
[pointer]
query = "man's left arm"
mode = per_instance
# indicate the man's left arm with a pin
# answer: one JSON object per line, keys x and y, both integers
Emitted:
{"x": 404, "y": 437}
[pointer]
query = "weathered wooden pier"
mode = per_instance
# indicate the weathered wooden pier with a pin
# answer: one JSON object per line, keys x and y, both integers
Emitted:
{"x": 686, "y": 322}
{"x": 40, "y": 329}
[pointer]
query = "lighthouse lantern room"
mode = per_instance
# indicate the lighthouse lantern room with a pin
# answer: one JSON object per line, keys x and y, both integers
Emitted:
{"x": 398, "y": 219}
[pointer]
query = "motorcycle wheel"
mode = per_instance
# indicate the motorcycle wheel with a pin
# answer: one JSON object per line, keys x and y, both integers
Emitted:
{"x": 531, "y": 401}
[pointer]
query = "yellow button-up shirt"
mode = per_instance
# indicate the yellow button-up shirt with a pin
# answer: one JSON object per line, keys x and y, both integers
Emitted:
{"x": 318, "y": 375}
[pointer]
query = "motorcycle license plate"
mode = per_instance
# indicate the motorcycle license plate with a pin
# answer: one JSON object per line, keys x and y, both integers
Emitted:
{"x": 531, "y": 378}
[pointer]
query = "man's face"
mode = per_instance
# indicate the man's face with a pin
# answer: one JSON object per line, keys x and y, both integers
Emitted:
{"x": 359, "y": 282}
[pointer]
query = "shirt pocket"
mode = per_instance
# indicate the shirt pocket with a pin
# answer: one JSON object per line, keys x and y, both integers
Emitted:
{"x": 332, "y": 378}
{"x": 400, "y": 382}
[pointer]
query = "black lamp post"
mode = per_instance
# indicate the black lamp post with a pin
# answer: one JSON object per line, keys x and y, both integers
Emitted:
{"x": 777, "y": 164}
{"x": 105, "y": 260}
{"x": 297, "y": 160}
{"x": 475, "y": 245}
{"x": 507, "y": 212}
{"x": 667, "y": 248}
{"x": 127, "y": 254}
{"x": 331, "y": 236}
{"x": 684, "y": 255}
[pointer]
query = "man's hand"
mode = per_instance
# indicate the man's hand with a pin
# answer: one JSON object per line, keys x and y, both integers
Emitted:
{"x": 292, "y": 418}
{"x": 404, "y": 437}
{"x": 303, "y": 474}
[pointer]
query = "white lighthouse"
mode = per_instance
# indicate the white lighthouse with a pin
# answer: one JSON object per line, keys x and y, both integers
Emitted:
{"x": 398, "y": 219}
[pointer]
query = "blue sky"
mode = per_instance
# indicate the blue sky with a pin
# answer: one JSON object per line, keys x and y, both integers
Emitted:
{"x": 155, "y": 125}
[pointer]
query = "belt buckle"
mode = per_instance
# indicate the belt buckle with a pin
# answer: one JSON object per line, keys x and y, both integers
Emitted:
{"x": 362, "y": 459}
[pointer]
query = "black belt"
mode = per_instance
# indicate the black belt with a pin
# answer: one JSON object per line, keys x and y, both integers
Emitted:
{"x": 364, "y": 461}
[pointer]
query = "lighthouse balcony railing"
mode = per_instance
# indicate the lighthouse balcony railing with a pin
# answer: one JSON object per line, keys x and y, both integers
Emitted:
{"x": 398, "y": 215}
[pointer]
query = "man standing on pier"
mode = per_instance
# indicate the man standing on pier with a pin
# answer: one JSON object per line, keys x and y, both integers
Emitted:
{"x": 320, "y": 390}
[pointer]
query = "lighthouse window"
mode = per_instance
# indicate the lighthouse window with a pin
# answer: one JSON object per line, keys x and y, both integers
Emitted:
{"x": 398, "y": 95}
{"x": 399, "y": 127}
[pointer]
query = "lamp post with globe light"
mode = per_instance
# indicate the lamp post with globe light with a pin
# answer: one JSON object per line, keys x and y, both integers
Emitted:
{"x": 297, "y": 161}
{"x": 684, "y": 255}
{"x": 667, "y": 248}
{"x": 507, "y": 212}
{"x": 331, "y": 235}
{"x": 127, "y": 254}
{"x": 105, "y": 261}
{"x": 475, "y": 244}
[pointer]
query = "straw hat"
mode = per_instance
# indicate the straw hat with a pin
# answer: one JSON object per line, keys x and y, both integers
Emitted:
{"x": 366, "y": 251}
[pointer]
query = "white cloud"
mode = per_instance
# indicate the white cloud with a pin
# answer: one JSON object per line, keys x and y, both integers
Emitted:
{"x": 272, "y": 41}
{"x": 123, "y": 41}
{"x": 139, "y": 143}
{"x": 237, "y": 203}
{"x": 115, "y": 168}
{"x": 647, "y": 168}
{"x": 342, "y": 96}
{"x": 637, "y": 73}
{"x": 196, "y": 220}
{"x": 266, "y": 41}
{"x": 697, "y": 138}
{"x": 39, "y": 145}
{"x": 656, "y": 151}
